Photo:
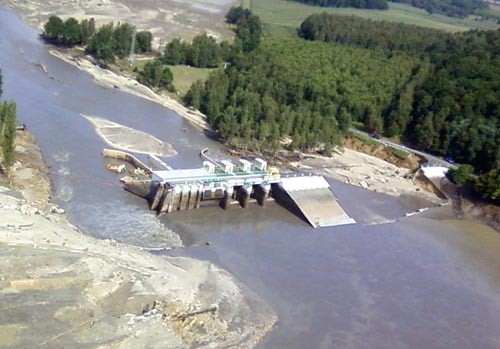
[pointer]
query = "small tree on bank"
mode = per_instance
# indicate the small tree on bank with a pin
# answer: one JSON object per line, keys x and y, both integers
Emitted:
{"x": 7, "y": 131}
{"x": 488, "y": 185}
{"x": 461, "y": 175}
{"x": 155, "y": 74}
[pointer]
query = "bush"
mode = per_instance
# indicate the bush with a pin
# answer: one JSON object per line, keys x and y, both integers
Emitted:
{"x": 399, "y": 153}
{"x": 488, "y": 185}
{"x": 155, "y": 74}
{"x": 461, "y": 175}
{"x": 8, "y": 131}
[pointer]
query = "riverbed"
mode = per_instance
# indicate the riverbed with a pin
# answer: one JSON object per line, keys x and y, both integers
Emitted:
{"x": 426, "y": 281}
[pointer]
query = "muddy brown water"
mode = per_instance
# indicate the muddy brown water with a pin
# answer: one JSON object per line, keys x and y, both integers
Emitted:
{"x": 426, "y": 281}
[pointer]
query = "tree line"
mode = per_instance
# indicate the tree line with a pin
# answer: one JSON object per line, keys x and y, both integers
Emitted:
{"x": 367, "y": 33}
{"x": 108, "y": 42}
{"x": 105, "y": 43}
{"x": 7, "y": 129}
{"x": 204, "y": 51}
{"x": 368, "y": 4}
{"x": 451, "y": 8}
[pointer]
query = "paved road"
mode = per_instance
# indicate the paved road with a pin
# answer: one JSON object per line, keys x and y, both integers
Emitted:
{"x": 432, "y": 160}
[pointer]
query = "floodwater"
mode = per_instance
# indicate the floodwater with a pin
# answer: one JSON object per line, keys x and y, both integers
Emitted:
{"x": 427, "y": 281}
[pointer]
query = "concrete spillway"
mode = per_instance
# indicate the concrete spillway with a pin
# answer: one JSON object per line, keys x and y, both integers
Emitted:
{"x": 169, "y": 190}
{"x": 311, "y": 197}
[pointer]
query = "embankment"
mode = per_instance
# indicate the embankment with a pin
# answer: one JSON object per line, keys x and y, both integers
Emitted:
{"x": 62, "y": 288}
{"x": 109, "y": 79}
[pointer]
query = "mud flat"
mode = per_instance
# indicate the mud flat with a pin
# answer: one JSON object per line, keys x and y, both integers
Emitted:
{"x": 128, "y": 139}
{"x": 61, "y": 288}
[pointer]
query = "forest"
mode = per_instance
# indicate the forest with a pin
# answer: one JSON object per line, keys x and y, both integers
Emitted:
{"x": 451, "y": 107}
{"x": 202, "y": 52}
{"x": 205, "y": 52}
{"x": 367, "y": 33}
{"x": 451, "y": 8}
{"x": 307, "y": 91}
{"x": 7, "y": 129}
{"x": 369, "y": 4}
{"x": 436, "y": 90}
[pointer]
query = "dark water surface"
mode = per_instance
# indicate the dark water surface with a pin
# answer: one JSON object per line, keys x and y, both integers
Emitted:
{"x": 427, "y": 281}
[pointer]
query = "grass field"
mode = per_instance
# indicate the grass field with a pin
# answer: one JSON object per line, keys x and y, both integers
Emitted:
{"x": 185, "y": 76}
{"x": 283, "y": 17}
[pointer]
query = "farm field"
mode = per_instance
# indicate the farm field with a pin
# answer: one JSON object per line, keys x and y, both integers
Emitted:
{"x": 283, "y": 17}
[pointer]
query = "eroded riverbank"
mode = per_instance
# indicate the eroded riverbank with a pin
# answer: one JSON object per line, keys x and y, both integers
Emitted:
{"x": 87, "y": 291}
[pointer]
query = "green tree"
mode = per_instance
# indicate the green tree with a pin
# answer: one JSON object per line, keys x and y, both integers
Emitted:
{"x": 143, "y": 41}
{"x": 72, "y": 32}
{"x": 488, "y": 185}
{"x": 204, "y": 52}
{"x": 7, "y": 131}
{"x": 87, "y": 29}
{"x": 237, "y": 14}
{"x": 101, "y": 45}
{"x": 54, "y": 30}
{"x": 155, "y": 74}
{"x": 122, "y": 39}
{"x": 461, "y": 175}
{"x": 175, "y": 52}
{"x": 249, "y": 33}
{"x": 370, "y": 4}
{"x": 195, "y": 95}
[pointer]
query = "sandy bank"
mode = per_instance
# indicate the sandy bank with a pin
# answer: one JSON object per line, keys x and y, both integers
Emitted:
{"x": 368, "y": 172}
{"x": 128, "y": 139}
{"x": 60, "y": 288}
{"x": 109, "y": 79}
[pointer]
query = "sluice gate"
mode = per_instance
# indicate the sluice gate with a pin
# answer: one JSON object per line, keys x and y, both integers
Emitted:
{"x": 225, "y": 183}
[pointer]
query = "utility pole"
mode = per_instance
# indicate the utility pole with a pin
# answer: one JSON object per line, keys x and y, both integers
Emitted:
{"x": 132, "y": 49}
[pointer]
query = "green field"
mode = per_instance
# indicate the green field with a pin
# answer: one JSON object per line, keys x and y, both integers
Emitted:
{"x": 283, "y": 17}
{"x": 185, "y": 76}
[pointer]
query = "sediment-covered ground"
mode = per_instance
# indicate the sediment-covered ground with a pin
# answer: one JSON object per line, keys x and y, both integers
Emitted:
{"x": 128, "y": 139}
{"x": 60, "y": 288}
{"x": 166, "y": 19}
{"x": 109, "y": 79}
{"x": 368, "y": 172}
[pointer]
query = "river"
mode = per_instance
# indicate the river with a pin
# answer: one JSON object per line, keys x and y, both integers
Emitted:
{"x": 426, "y": 281}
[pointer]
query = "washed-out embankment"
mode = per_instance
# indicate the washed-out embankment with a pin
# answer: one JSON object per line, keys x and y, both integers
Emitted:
{"x": 62, "y": 288}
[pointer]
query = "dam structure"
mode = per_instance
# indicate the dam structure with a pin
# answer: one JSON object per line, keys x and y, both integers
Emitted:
{"x": 225, "y": 183}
